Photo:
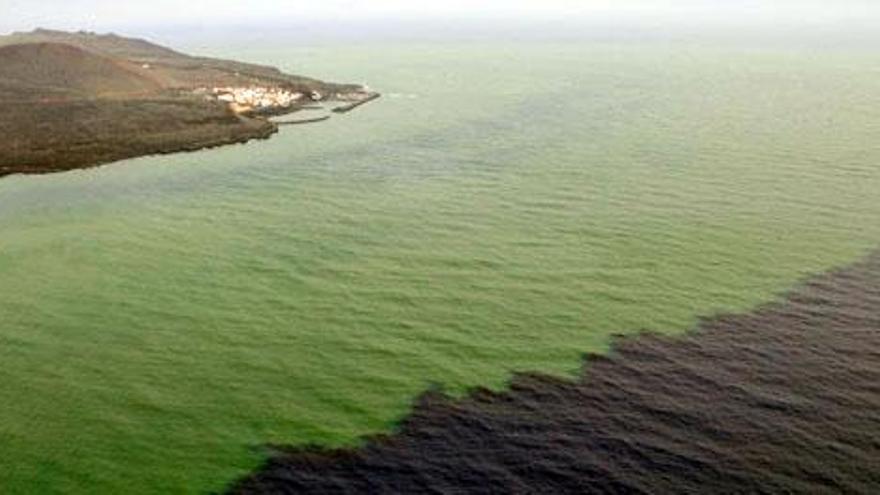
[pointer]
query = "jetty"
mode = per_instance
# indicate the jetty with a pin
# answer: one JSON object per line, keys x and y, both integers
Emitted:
{"x": 304, "y": 121}
{"x": 351, "y": 106}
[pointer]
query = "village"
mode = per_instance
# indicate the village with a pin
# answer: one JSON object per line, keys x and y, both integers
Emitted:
{"x": 270, "y": 99}
{"x": 256, "y": 98}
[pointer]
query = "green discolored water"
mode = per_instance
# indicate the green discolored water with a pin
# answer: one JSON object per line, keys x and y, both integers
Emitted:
{"x": 503, "y": 208}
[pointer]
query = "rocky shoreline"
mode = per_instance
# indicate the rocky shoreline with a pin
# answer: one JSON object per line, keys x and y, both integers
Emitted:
{"x": 79, "y": 100}
{"x": 111, "y": 131}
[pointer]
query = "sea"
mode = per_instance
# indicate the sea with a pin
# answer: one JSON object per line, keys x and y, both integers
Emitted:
{"x": 508, "y": 205}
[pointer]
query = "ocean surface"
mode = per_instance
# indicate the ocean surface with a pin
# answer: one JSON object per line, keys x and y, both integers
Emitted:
{"x": 781, "y": 399}
{"x": 504, "y": 207}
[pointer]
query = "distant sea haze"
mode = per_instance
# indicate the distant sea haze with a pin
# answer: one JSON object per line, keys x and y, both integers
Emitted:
{"x": 165, "y": 319}
{"x": 854, "y": 35}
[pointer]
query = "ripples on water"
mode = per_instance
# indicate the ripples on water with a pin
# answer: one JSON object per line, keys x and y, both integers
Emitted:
{"x": 782, "y": 400}
{"x": 162, "y": 317}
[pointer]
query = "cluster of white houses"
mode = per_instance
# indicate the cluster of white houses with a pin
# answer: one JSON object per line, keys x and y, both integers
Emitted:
{"x": 245, "y": 99}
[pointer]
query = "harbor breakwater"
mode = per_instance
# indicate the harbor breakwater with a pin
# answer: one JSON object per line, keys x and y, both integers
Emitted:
{"x": 355, "y": 104}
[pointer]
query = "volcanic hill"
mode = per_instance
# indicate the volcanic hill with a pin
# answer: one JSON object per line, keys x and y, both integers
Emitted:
{"x": 65, "y": 70}
{"x": 74, "y": 100}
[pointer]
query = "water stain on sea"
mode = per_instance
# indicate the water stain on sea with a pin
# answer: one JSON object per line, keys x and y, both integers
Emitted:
{"x": 782, "y": 399}
{"x": 161, "y": 317}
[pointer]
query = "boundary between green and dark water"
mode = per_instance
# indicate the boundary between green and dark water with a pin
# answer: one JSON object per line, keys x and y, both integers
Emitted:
{"x": 780, "y": 399}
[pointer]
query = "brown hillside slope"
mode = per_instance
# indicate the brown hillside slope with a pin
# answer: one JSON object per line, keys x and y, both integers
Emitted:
{"x": 57, "y": 136}
{"x": 171, "y": 68}
{"x": 75, "y": 100}
{"x": 109, "y": 44}
{"x": 57, "y": 68}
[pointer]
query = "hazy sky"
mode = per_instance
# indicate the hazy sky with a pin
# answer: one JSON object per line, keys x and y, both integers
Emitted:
{"x": 120, "y": 14}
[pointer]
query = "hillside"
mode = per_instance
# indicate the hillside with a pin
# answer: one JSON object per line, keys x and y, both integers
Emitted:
{"x": 74, "y": 100}
{"x": 172, "y": 69}
{"x": 59, "y": 69}
{"x": 58, "y": 136}
{"x": 109, "y": 44}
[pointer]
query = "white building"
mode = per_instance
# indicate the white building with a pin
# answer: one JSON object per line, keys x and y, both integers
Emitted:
{"x": 248, "y": 98}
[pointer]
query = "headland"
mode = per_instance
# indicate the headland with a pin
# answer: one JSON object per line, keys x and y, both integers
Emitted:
{"x": 77, "y": 100}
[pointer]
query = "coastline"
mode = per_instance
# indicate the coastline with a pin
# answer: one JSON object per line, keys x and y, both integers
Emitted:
{"x": 161, "y": 135}
{"x": 312, "y": 120}
{"x": 780, "y": 399}
{"x": 348, "y": 107}
{"x": 80, "y": 100}
{"x": 249, "y": 126}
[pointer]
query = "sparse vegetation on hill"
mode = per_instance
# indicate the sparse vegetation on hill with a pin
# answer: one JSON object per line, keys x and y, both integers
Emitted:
{"x": 58, "y": 69}
{"x": 59, "y": 136}
{"x": 73, "y": 100}
{"x": 171, "y": 68}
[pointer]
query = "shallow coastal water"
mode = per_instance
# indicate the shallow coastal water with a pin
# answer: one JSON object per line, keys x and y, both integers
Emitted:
{"x": 506, "y": 207}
